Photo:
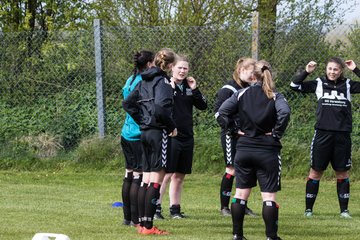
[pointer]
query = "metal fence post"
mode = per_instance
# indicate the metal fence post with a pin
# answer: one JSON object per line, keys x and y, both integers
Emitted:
{"x": 99, "y": 78}
{"x": 255, "y": 36}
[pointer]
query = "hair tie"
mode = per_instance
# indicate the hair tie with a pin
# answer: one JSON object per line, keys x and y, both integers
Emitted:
{"x": 264, "y": 68}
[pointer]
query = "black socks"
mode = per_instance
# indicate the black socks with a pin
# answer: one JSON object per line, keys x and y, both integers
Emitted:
{"x": 270, "y": 213}
{"x": 343, "y": 191}
{"x": 141, "y": 202}
{"x": 151, "y": 198}
{"x": 225, "y": 190}
{"x": 134, "y": 189}
{"x": 125, "y": 192}
{"x": 238, "y": 207}
{"x": 312, "y": 189}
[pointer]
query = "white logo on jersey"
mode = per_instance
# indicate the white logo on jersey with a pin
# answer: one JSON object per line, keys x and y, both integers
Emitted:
{"x": 334, "y": 95}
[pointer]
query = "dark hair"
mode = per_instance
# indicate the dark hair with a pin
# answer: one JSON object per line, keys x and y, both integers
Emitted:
{"x": 141, "y": 59}
{"x": 339, "y": 62}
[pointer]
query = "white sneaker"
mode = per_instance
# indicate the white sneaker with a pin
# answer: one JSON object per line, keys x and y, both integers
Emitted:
{"x": 345, "y": 214}
{"x": 308, "y": 213}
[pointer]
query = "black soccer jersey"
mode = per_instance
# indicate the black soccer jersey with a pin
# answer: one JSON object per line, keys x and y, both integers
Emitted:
{"x": 184, "y": 100}
{"x": 258, "y": 115}
{"x": 334, "y": 100}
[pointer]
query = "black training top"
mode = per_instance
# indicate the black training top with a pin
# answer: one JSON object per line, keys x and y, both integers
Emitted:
{"x": 184, "y": 100}
{"x": 222, "y": 94}
{"x": 333, "y": 111}
{"x": 258, "y": 115}
{"x": 150, "y": 104}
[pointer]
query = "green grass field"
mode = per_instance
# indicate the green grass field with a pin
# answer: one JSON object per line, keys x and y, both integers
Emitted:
{"x": 79, "y": 205}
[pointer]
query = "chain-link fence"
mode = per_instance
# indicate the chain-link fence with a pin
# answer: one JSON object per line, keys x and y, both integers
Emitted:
{"x": 48, "y": 79}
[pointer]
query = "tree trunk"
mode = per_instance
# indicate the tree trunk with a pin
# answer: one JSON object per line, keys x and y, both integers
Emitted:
{"x": 267, "y": 15}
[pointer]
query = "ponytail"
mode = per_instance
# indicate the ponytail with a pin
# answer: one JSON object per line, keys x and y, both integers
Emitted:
{"x": 164, "y": 58}
{"x": 263, "y": 73}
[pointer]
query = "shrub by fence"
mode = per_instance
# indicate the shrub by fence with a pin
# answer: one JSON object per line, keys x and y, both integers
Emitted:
{"x": 48, "y": 79}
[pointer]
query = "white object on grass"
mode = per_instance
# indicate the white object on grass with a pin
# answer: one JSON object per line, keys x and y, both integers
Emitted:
{"x": 48, "y": 236}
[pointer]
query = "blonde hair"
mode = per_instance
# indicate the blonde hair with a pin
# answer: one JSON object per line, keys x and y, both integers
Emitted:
{"x": 181, "y": 57}
{"x": 243, "y": 62}
{"x": 164, "y": 58}
{"x": 263, "y": 72}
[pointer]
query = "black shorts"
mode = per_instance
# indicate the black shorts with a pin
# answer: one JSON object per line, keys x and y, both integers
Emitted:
{"x": 253, "y": 164}
{"x": 181, "y": 155}
{"x": 155, "y": 149}
{"x": 133, "y": 154}
{"x": 228, "y": 144}
{"x": 331, "y": 147}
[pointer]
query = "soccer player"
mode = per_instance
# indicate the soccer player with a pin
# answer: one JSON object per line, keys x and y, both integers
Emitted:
{"x": 332, "y": 141}
{"x": 229, "y": 137}
{"x": 131, "y": 145}
{"x": 263, "y": 115}
{"x": 186, "y": 96}
{"x": 151, "y": 105}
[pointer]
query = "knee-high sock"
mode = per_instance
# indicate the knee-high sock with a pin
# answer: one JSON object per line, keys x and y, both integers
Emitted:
{"x": 238, "y": 207}
{"x": 125, "y": 192}
{"x": 141, "y": 203}
{"x": 134, "y": 189}
{"x": 270, "y": 213}
{"x": 151, "y": 200}
{"x": 225, "y": 190}
{"x": 312, "y": 189}
{"x": 343, "y": 191}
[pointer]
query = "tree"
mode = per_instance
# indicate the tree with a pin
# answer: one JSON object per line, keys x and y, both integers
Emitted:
{"x": 31, "y": 15}
{"x": 268, "y": 14}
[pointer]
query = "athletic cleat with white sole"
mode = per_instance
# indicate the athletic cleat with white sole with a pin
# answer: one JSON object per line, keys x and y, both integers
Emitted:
{"x": 345, "y": 214}
{"x": 308, "y": 213}
{"x": 177, "y": 215}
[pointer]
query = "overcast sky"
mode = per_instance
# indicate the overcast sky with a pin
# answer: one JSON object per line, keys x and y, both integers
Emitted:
{"x": 350, "y": 17}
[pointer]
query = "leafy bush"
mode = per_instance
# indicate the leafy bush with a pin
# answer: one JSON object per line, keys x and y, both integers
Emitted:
{"x": 98, "y": 153}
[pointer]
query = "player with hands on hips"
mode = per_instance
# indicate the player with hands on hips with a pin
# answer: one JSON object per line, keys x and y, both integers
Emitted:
{"x": 263, "y": 115}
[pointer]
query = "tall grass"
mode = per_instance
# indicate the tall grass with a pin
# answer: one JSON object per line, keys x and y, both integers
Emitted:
{"x": 80, "y": 206}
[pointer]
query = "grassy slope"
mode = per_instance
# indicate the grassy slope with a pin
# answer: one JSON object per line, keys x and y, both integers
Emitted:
{"x": 79, "y": 205}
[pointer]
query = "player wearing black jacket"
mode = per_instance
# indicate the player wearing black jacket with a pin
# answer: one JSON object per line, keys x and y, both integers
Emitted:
{"x": 186, "y": 96}
{"x": 229, "y": 137}
{"x": 151, "y": 105}
{"x": 332, "y": 141}
{"x": 263, "y": 115}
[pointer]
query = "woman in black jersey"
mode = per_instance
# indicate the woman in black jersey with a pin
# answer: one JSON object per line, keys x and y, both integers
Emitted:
{"x": 150, "y": 104}
{"x": 229, "y": 137}
{"x": 332, "y": 141}
{"x": 263, "y": 115}
{"x": 187, "y": 95}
